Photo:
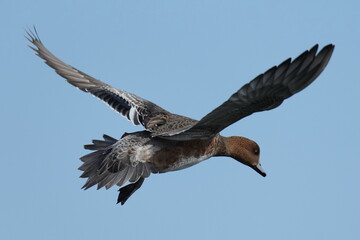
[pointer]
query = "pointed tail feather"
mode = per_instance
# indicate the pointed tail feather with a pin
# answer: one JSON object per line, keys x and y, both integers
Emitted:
{"x": 92, "y": 162}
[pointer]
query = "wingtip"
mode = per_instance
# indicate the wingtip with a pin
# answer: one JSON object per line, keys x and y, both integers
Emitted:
{"x": 330, "y": 47}
{"x": 327, "y": 51}
{"x": 32, "y": 34}
{"x": 314, "y": 48}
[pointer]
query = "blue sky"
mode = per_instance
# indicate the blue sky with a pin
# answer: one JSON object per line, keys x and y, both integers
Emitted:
{"x": 188, "y": 57}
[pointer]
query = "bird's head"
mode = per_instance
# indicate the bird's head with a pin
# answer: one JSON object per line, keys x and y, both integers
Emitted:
{"x": 245, "y": 151}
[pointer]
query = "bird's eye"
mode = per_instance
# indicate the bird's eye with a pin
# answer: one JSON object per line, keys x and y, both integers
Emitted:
{"x": 256, "y": 151}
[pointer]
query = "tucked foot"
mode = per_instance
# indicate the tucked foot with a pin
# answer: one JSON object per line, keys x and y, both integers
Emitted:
{"x": 128, "y": 190}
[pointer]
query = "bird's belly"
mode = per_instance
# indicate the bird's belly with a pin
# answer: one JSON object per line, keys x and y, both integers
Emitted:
{"x": 185, "y": 162}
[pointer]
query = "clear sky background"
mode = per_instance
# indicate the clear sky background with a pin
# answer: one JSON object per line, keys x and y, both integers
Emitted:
{"x": 188, "y": 57}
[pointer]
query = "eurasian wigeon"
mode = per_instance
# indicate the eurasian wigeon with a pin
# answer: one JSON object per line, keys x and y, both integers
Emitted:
{"x": 172, "y": 142}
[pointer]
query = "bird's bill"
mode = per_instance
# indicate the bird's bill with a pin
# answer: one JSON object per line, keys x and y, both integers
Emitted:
{"x": 259, "y": 170}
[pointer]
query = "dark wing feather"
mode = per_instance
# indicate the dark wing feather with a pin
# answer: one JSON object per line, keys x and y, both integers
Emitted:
{"x": 265, "y": 92}
{"x": 134, "y": 108}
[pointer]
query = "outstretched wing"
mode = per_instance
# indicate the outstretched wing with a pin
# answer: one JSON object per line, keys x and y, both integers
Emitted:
{"x": 265, "y": 92}
{"x": 134, "y": 108}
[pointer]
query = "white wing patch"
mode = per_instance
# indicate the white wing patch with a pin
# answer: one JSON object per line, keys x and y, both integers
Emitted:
{"x": 134, "y": 116}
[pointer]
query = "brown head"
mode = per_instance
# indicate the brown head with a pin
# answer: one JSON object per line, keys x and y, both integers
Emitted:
{"x": 245, "y": 151}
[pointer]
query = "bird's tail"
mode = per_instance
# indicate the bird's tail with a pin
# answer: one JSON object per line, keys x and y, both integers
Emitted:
{"x": 92, "y": 162}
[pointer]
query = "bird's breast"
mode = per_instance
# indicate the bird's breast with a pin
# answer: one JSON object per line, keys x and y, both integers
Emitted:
{"x": 177, "y": 155}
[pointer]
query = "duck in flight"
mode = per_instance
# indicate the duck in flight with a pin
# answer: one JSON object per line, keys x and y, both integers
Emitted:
{"x": 173, "y": 142}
